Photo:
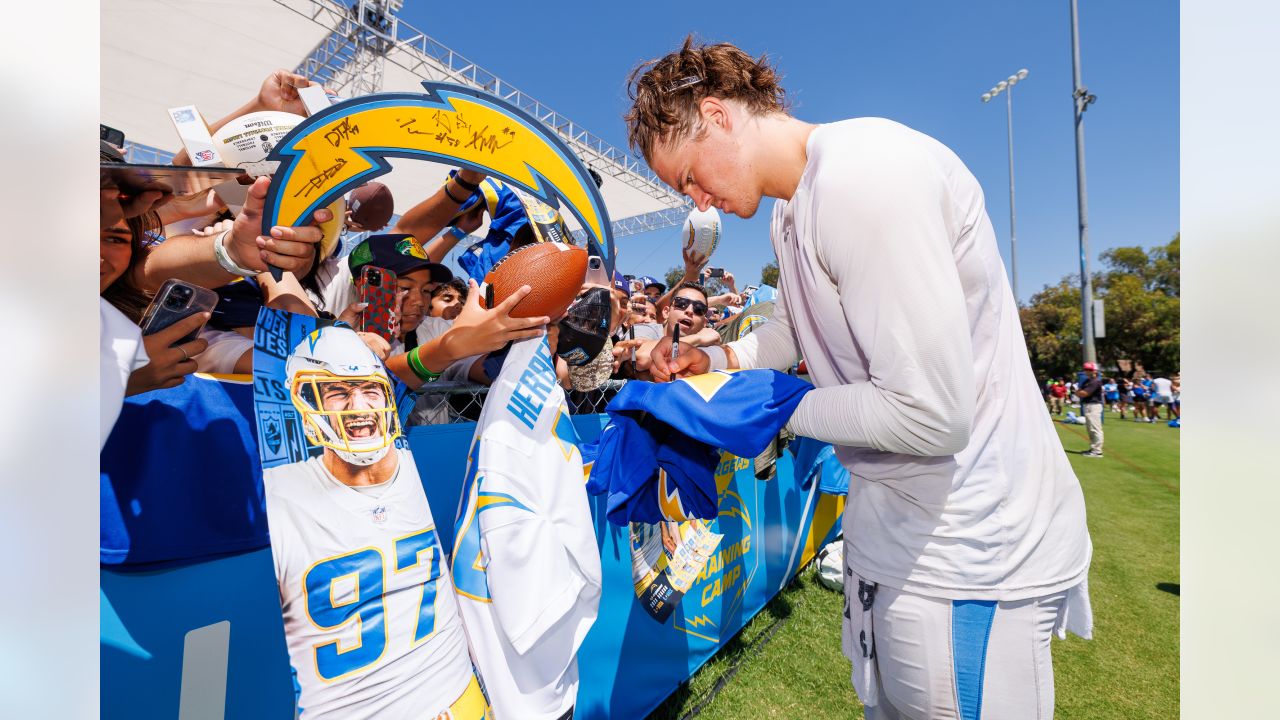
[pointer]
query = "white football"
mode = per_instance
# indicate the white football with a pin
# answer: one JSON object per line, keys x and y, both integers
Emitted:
{"x": 703, "y": 229}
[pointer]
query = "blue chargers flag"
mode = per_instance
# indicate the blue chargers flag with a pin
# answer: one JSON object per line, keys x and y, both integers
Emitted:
{"x": 657, "y": 455}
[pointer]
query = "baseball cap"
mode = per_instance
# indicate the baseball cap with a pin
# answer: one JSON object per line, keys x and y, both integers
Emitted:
{"x": 1090, "y": 366}
{"x": 371, "y": 206}
{"x": 648, "y": 282}
{"x": 619, "y": 282}
{"x": 400, "y": 253}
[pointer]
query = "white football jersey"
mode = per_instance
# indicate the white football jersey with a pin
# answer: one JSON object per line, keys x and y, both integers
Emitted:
{"x": 369, "y": 613}
{"x": 525, "y": 562}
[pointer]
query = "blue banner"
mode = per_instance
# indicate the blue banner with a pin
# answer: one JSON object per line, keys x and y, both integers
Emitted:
{"x": 165, "y": 645}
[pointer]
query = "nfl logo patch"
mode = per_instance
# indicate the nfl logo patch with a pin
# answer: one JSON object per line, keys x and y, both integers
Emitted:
{"x": 380, "y": 514}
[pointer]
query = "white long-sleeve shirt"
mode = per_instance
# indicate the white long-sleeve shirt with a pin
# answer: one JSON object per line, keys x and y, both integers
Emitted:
{"x": 893, "y": 291}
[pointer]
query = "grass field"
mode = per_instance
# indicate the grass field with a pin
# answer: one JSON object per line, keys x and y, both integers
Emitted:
{"x": 787, "y": 663}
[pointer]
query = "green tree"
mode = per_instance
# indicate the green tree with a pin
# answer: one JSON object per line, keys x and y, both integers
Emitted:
{"x": 673, "y": 276}
{"x": 769, "y": 274}
{"x": 1140, "y": 289}
{"x": 1051, "y": 327}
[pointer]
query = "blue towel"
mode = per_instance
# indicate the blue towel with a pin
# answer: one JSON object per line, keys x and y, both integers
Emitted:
{"x": 657, "y": 455}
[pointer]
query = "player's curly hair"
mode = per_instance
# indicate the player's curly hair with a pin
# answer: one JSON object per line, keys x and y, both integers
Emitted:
{"x": 665, "y": 93}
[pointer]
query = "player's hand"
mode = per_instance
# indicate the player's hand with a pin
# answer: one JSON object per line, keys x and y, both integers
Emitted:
{"x": 476, "y": 330}
{"x": 692, "y": 361}
{"x": 292, "y": 249}
{"x": 169, "y": 366}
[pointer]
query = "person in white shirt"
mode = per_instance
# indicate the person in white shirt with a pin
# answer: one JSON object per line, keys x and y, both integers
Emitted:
{"x": 1163, "y": 396}
{"x": 965, "y": 536}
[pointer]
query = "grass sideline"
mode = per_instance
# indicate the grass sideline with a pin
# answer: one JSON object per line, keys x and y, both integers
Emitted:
{"x": 786, "y": 663}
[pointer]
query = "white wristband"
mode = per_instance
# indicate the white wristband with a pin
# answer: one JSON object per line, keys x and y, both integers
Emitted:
{"x": 224, "y": 258}
{"x": 718, "y": 357}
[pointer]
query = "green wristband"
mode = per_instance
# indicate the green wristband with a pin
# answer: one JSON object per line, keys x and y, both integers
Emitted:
{"x": 415, "y": 364}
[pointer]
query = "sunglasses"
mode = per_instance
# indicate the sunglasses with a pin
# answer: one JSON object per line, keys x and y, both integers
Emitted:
{"x": 682, "y": 303}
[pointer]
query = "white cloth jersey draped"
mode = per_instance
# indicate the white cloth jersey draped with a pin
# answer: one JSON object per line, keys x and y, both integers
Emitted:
{"x": 370, "y": 617}
{"x": 525, "y": 561}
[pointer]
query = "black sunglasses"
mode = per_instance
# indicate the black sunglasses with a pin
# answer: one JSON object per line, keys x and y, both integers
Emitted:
{"x": 683, "y": 303}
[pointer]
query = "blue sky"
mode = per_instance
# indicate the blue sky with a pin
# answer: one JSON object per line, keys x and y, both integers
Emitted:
{"x": 921, "y": 63}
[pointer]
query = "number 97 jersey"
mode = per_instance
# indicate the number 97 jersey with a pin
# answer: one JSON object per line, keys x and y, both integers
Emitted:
{"x": 370, "y": 616}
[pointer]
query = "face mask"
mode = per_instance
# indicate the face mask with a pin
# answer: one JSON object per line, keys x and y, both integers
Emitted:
{"x": 585, "y": 327}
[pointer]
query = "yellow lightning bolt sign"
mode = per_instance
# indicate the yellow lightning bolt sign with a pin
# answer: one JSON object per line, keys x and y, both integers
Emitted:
{"x": 348, "y": 144}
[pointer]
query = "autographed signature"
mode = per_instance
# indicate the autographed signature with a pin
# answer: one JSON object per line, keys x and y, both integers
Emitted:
{"x": 321, "y": 178}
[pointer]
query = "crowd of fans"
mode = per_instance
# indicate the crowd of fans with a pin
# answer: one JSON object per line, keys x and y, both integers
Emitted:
{"x": 445, "y": 335}
{"x": 1145, "y": 397}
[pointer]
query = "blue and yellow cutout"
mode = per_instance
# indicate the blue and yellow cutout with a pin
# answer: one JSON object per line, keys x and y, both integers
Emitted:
{"x": 349, "y": 143}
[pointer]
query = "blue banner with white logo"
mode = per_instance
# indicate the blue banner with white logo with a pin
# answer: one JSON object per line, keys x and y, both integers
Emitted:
{"x": 207, "y": 638}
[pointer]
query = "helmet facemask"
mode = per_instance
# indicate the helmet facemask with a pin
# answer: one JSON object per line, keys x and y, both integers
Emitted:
{"x": 359, "y": 428}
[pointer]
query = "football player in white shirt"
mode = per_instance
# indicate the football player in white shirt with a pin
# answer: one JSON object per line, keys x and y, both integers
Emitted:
{"x": 965, "y": 536}
{"x": 370, "y": 616}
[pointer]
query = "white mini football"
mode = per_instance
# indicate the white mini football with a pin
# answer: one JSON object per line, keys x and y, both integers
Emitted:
{"x": 703, "y": 228}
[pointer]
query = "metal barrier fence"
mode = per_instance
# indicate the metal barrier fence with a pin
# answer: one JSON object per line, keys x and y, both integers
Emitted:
{"x": 457, "y": 402}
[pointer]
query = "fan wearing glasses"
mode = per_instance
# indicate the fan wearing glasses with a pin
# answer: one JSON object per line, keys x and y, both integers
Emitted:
{"x": 688, "y": 310}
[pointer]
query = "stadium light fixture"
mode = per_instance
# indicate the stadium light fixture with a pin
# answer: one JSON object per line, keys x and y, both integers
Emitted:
{"x": 1003, "y": 85}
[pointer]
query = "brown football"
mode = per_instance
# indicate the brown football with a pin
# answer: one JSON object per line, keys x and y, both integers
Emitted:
{"x": 554, "y": 270}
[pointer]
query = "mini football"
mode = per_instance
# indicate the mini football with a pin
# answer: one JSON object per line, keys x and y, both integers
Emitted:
{"x": 703, "y": 230}
{"x": 554, "y": 270}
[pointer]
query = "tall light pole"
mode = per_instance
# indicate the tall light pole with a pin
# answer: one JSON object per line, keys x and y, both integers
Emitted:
{"x": 1007, "y": 84}
{"x": 1082, "y": 100}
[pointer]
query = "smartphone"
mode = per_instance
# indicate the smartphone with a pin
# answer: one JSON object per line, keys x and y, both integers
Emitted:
{"x": 637, "y": 286}
{"x": 377, "y": 287}
{"x": 750, "y": 289}
{"x": 175, "y": 301}
{"x": 596, "y": 274}
{"x": 715, "y": 272}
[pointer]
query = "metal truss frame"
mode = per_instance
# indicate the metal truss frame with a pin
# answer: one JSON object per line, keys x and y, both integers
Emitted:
{"x": 430, "y": 59}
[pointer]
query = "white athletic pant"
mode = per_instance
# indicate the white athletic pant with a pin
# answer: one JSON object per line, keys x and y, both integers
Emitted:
{"x": 1093, "y": 423}
{"x": 924, "y": 658}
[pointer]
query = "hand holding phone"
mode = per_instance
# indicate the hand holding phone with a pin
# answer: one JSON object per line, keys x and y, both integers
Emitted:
{"x": 377, "y": 288}
{"x": 175, "y": 301}
{"x": 596, "y": 274}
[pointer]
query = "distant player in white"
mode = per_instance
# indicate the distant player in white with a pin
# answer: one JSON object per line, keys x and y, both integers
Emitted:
{"x": 525, "y": 561}
{"x": 369, "y": 612}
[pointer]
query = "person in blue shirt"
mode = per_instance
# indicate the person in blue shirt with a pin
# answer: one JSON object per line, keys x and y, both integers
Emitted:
{"x": 1111, "y": 393}
{"x": 1140, "y": 394}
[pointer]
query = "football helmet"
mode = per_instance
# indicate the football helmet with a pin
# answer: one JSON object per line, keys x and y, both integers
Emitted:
{"x": 334, "y": 365}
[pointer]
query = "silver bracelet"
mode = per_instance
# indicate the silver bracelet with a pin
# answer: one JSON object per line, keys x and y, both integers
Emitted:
{"x": 224, "y": 258}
